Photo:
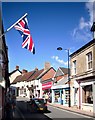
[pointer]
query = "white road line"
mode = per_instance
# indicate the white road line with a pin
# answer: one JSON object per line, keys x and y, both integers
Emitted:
{"x": 72, "y": 112}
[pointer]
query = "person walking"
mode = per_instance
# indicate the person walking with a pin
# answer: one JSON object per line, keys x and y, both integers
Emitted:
{"x": 46, "y": 97}
{"x": 13, "y": 103}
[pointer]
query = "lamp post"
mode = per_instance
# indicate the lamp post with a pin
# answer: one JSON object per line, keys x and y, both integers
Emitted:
{"x": 68, "y": 50}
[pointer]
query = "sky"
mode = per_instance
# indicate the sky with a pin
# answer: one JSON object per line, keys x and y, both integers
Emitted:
{"x": 52, "y": 25}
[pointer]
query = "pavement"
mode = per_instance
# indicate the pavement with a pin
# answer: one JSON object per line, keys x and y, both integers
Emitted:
{"x": 72, "y": 109}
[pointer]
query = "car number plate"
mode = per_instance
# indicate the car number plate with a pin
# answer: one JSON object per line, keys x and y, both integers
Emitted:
{"x": 41, "y": 108}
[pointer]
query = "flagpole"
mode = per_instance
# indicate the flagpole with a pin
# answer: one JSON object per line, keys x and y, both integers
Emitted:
{"x": 13, "y": 25}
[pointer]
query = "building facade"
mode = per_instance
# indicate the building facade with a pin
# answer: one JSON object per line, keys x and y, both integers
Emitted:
{"x": 4, "y": 76}
{"x": 82, "y": 76}
{"x": 60, "y": 87}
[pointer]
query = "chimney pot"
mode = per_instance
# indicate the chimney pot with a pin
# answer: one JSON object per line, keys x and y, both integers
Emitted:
{"x": 36, "y": 68}
{"x": 17, "y": 67}
{"x": 24, "y": 71}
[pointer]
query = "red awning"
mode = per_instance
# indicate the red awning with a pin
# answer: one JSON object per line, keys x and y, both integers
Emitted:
{"x": 47, "y": 85}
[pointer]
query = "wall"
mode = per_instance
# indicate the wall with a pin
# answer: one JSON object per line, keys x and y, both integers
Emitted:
{"x": 80, "y": 58}
{"x": 13, "y": 76}
{"x": 87, "y": 107}
{"x": 94, "y": 58}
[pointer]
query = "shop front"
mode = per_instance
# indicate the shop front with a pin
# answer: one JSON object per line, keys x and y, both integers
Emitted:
{"x": 60, "y": 94}
{"x": 46, "y": 86}
{"x": 46, "y": 89}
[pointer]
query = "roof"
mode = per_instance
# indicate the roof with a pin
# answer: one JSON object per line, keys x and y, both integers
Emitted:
{"x": 62, "y": 81}
{"x": 64, "y": 70}
{"x": 83, "y": 47}
{"x": 45, "y": 72}
{"x": 35, "y": 75}
{"x": 48, "y": 75}
{"x": 23, "y": 77}
{"x": 14, "y": 71}
{"x": 27, "y": 75}
{"x": 93, "y": 27}
{"x": 61, "y": 71}
{"x": 32, "y": 75}
{"x": 17, "y": 79}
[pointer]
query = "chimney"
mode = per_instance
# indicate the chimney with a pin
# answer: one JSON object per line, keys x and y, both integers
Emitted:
{"x": 93, "y": 30}
{"x": 47, "y": 66}
{"x": 17, "y": 67}
{"x": 24, "y": 71}
{"x": 36, "y": 68}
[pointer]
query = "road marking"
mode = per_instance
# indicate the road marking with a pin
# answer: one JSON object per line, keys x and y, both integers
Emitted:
{"x": 72, "y": 112}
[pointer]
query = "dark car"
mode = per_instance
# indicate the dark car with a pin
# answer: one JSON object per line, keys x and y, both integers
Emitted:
{"x": 38, "y": 104}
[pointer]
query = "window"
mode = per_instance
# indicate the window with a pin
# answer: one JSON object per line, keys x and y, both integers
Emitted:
{"x": 87, "y": 96}
{"x": 1, "y": 59}
{"x": 74, "y": 67}
{"x": 89, "y": 60}
{"x": 66, "y": 96}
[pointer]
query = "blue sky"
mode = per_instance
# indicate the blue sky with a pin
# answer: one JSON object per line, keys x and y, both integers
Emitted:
{"x": 52, "y": 24}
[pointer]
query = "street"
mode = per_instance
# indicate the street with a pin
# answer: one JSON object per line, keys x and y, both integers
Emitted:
{"x": 53, "y": 113}
{"x": 60, "y": 113}
{"x": 24, "y": 113}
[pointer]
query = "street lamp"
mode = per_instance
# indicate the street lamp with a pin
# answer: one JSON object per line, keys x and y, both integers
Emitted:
{"x": 68, "y": 50}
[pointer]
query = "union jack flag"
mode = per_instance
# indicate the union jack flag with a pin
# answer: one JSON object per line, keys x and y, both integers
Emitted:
{"x": 22, "y": 27}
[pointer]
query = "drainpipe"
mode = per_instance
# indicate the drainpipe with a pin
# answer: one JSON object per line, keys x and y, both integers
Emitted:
{"x": 94, "y": 98}
{"x": 79, "y": 96}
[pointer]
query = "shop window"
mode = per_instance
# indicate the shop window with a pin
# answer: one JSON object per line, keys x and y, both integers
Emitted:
{"x": 57, "y": 95}
{"x": 21, "y": 91}
{"x": 87, "y": 95}
{"x": 66, "y": 96}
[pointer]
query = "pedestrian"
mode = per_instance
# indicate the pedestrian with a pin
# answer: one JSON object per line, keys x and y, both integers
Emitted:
{"x": 13, "y": 103}
{"x": 46, "y": 97}
{"x": 62, "y": 99}
{"x": 59, "y": 99}
{"x": 30, "y": 97}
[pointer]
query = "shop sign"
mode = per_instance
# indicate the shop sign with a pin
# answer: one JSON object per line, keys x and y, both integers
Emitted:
{"x": 47, "y": 85}
{"x": 59, "y": 86}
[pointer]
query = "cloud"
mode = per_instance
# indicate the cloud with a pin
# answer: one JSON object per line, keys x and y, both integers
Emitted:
{"x": 59, "y": 60}
{"x": 90, "y": 5}
{"x": 83, "y": 24}
{"x": 82, "y": 32}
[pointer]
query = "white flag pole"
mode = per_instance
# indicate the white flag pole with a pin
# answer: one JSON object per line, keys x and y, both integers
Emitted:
{"x": 13, "y": 25}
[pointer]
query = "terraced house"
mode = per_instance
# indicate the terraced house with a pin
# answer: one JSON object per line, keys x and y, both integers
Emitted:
{"x": 32, "y": 83}
{"x": 83, "y": 76}
{"x": 60, "y": 87}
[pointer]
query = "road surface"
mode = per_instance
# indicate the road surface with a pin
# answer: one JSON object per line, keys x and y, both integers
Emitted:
{"x": 53, "y": 113}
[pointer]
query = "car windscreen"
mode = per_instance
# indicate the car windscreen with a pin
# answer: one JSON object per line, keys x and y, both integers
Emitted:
{"x": 39, "y": 101}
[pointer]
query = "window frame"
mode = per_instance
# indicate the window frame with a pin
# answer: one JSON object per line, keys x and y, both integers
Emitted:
{"x": 74, "y": 67}
{"x": 89, "y": 92}
{"x": 89, "y": 60}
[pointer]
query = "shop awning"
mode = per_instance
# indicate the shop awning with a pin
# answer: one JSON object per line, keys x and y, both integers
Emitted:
{"x": 47, "y": 85}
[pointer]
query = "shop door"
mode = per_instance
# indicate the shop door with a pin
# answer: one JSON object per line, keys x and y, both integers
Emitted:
{"x": 58, "y": 96}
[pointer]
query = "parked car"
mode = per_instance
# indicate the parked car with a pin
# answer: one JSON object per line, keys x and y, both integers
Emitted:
{"x": 38, "y": 104}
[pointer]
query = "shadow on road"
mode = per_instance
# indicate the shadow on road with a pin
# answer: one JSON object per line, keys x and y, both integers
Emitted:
{"x": 26, "y": 112}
